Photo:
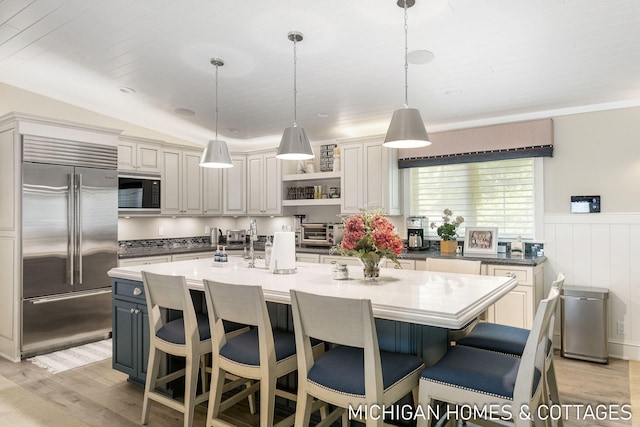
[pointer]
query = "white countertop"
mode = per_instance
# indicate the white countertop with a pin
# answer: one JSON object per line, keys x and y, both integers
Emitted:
{"x": 429, "y": 298}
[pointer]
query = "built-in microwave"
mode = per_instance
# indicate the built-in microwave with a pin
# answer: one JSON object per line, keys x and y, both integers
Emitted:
{"x": 138, "y": 193}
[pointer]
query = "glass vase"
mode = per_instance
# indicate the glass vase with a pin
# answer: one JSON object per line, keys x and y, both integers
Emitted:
{"x": 371, "y": 268}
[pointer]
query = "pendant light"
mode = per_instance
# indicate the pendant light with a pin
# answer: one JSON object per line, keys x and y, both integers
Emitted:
{"x": 294, "y": 144}
{"x": 407, "y": 128}
{"x": 216, "y": 155}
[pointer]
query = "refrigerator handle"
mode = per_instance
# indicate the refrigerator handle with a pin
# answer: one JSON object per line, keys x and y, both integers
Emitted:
{"x": 72, "y": 239}
{"x": 79, "y": 227}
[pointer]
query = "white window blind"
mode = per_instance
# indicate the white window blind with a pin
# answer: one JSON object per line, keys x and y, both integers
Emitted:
{"x": 487, "y": 194}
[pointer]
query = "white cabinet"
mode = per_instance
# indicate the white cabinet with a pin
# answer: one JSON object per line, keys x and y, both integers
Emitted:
{"x": 518, "y": 307}
{"x": 370, "y": 179}
{"x": 405, "y": 264}
{"x": 212, "y": 191}
{"x": 144, "y": 260}
{"x": 181, "y": 191}
{"x": 337, "y": 259}
{"x": 139, "y": 155}
{"x": 190, "y": 256}
{"x": 308, "y": 258}
{"x": 235, "y": 187}
{"x": 264, "y": 184}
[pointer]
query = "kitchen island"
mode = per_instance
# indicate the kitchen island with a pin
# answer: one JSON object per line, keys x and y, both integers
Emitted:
{"x": 413, "y": 309}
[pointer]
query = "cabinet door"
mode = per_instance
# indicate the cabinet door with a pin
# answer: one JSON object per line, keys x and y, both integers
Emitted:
{"x": 126, "y": 156}
{"x": 255, "y": 185}
{"x": 191, "y": 183}
{"x": 308, "y": 258}
{"x": 514, "y": 309}
{"x": 381, "y": 179}
{"x": 148, "y": 158}
{"x": 212, "y": 199}
{"x": 405, "y": 264}
{"x": 352, "y": 179}
{"x": 235, "y": 200}
{"x": 331, "y": 259}
{"x": 171, "y": 181}
{"x": 144, "y": 260}
{"x": 125, "y": 337}
{"x": 273, "y": 184}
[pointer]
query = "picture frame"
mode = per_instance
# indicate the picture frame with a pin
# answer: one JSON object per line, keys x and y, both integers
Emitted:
{"x": 481, "y": 241}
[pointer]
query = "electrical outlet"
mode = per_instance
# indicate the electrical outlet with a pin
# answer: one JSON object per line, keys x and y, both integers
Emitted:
{"x": 160, "y": 231}
{"x": 622, "y": 328}
{"x": 207, "y": 229}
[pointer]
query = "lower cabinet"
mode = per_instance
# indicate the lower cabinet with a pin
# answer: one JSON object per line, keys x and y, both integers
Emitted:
{"x": 199, "y": 255}
{"x": 127, "y": 262}
{"x": 518, "y": 307}
{"x": 130, "y": 330}
{"x": 315, "y": 258}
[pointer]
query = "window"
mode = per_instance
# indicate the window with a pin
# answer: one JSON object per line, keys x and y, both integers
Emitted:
{"x": 487, "y": 194}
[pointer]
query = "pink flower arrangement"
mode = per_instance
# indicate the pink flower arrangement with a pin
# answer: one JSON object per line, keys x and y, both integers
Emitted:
{"x": 370, "y": 236}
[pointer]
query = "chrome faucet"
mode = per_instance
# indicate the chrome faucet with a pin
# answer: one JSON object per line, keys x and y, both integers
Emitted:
{"x": 253, "y": 235}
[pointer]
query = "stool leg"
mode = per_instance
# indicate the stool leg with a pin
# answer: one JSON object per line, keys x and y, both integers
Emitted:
{"x": 303, "y": 409}
{"x": 215, "y": 395}
{"x": 553, "y": 388}
{"x": 153, "y": 367}
{"x": 267, "y": 400}
{"x": 190, "y": 386}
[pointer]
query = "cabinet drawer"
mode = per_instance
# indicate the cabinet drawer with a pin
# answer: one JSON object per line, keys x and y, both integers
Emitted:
{"x": 521, "y": 275}
{"x": 129, "y": 290}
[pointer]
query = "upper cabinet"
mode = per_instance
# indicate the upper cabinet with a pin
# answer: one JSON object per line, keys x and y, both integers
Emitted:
{"x": 212, "y": 191}
{"x": 370, "y": 177}
{"x": 235, "y": 186}
{"x": 264, "y": 184}
{"x": 139, "y": 155}
{"x": 181, "y": 191}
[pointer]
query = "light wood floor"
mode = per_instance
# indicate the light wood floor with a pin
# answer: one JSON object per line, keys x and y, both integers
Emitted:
{"x": 100, "y": 396}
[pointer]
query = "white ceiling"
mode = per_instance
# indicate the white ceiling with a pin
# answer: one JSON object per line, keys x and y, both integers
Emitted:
{"x": 495, "y": 60}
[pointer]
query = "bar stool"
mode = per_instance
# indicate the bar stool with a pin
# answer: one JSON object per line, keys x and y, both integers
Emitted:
{"x": 262, "y": 353}
{"x": 512, "y": 340}
{"x": 496, "y": 384}
{"x": 353, "y": 373}
{"x": 187, "y": 337}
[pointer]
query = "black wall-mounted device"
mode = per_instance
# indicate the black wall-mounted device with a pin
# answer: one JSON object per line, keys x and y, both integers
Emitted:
{"x": 585, "y": 204}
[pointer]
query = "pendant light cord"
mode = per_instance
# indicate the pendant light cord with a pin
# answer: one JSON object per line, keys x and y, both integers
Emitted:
{"x": 406, "y": 56}
{"x": 295, "y": 89}
{"x": 216, "y": 101}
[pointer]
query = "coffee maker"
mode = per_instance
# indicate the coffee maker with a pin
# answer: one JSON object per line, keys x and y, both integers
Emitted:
{"x": 417, "y": 231}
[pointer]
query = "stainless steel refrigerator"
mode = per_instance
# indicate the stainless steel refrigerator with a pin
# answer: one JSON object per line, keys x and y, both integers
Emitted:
{"x": 69, "y": 242}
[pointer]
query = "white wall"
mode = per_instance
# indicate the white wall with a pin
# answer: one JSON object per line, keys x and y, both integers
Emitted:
{"x": 598, "y": 154}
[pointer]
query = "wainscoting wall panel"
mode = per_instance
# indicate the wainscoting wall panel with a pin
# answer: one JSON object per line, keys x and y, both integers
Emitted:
{"x": 600, "y": 250}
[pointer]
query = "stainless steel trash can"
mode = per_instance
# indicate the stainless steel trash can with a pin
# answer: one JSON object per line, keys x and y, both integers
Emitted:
{"x": 584, "y": 323}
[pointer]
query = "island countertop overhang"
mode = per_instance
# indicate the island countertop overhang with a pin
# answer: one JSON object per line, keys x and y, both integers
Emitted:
{"x": 444, "y": 300}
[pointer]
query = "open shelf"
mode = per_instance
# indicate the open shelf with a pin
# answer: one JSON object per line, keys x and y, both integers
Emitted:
{"x": 311, "y": 176}
{"x": 311, "y": 202}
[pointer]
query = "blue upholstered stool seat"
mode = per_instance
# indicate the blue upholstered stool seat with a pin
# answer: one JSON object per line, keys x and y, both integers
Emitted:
{"x": 342, "y": 369}
{"x": 496, "y": 337}
{"x": 500, "y": 338}
{"x": 244, "y": 348}
{"x": 479, "y": 370}
{"x": 173, "y": 331}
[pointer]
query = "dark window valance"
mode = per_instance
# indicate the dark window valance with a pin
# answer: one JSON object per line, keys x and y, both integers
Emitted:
{"x": 497, "y": 142}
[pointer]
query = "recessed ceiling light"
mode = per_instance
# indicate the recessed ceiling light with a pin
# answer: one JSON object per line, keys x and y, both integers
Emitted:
{"x": 323, "y": 115}
{"x": 125, "y": 89}
{"x": 185, "y": 112}
{"x": 232, "y": 130}
{"x": 453, "y": 92}
{"x": 419, "y": 57}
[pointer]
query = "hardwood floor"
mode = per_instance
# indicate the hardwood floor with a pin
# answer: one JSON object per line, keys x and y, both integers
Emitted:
{"x": 99, "y": 396}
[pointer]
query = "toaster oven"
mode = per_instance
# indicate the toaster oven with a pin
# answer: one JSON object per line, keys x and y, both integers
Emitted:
{"x": 321, "y": 234}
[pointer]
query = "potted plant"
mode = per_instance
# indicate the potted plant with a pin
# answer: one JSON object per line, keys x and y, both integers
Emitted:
{"x": 448, "y": 231}
{"x": 371, "y": 238}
